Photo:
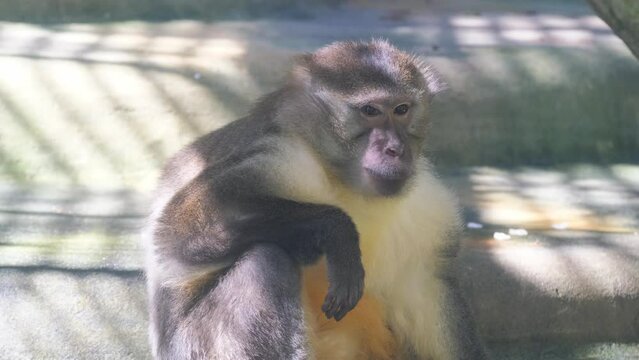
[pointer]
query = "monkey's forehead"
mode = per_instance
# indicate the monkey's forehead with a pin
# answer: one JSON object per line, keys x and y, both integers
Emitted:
{"x": 350, "y": 66}
{"x": 355, "y": 80}
{"x": 358, "y": 51}
{"x": 386, "y": 96}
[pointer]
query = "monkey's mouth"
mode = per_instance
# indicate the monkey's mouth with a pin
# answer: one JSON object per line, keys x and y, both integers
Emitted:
{"x": 387, "y": 181}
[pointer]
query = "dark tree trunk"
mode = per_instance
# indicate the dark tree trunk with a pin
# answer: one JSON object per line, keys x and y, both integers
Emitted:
{"x": 623, "y": 17}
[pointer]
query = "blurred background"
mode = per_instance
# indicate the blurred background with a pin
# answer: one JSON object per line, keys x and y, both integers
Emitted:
{"x": 538, "y": 134}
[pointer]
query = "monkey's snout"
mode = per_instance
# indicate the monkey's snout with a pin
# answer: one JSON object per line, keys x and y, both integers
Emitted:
{"x": 394, "y": 150}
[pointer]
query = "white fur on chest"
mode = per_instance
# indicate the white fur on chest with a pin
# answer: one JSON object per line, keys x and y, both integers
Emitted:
{"x": 403, "y": 238}
{"x": 400, "y": 238}
{"x": 397, "y": 235}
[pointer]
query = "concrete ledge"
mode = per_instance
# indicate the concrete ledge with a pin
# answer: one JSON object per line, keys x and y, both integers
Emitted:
{"x": 561, "y": 285}
{"x": 549, "y": 298}
{"x": 51, "y": 313}
{"x": 577, "y": 282}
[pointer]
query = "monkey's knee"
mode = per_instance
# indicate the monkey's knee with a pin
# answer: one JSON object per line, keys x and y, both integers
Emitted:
{"x": 251, "y": 311}
{"x": 254, "y": 311}
{"x": 260, "y": 299}
{"x": 267, "y": 266}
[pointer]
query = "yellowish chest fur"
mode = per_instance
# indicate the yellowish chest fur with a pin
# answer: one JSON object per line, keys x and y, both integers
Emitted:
{"x": 406, "y": 229}
{"x": 399, "y": 238}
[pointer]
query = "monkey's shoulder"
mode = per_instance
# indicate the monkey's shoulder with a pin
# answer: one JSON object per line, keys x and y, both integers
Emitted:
{"x": 219, "y": 150}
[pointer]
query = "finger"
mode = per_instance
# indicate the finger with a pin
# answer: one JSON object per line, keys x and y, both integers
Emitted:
{"x": 341, "y": 313}
{"x": 328, "y": 306}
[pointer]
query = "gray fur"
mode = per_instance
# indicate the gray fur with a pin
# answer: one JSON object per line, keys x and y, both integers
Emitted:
{"x": 252, "y": 311}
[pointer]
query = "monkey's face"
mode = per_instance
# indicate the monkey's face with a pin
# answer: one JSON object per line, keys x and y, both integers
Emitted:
{"x": 387, "y": 133}
{"x": 387, "y": 160}
{"x": 374, "y": 138}
{"x": 372, "y": 104}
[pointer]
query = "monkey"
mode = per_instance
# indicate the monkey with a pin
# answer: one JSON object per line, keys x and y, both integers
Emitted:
{"x": 320, "y": 200}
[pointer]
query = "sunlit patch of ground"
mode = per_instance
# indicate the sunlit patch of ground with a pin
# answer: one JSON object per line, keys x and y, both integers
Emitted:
{"x": 103, "y": 105}
{"x": 578, "y": 197}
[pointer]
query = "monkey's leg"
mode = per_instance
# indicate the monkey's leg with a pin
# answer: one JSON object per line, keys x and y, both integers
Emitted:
{"x": 253, "y": 311}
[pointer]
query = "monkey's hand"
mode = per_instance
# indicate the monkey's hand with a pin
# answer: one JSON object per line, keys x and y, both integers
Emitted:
{"x": 346, "y": 287}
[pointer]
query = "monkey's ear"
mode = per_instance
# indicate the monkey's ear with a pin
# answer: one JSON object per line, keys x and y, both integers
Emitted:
{"x": 300, "y": 75}
{"x": 434, "y": 81}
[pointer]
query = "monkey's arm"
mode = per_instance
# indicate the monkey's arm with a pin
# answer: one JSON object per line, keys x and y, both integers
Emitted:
{"x": 222, "y": 213}
{"x": 306, "y": 231}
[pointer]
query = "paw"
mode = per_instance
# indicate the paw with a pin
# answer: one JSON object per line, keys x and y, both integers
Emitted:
{"x": 343, "y": 295}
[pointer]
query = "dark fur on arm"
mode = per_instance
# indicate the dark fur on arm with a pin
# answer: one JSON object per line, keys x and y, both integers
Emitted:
{"x": 221, "y": 213}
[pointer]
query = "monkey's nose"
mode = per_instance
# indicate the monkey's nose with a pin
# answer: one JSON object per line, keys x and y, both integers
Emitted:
{"x": 394, "y": 150}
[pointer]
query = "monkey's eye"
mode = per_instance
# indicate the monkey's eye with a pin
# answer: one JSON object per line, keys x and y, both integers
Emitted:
{"x": 401, "y": 109}
{"x": 370, "y": 111}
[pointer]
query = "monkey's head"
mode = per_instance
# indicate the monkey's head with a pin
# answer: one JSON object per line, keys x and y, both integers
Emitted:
{"x": 368, "y": 110}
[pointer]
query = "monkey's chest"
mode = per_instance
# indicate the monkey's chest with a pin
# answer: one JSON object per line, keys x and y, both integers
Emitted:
{"x": 397, "y": 246}
{"x": 362, "y": 334}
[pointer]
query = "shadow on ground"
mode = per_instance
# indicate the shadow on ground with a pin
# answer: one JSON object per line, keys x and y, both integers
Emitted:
{"x": 105, "y": 105}
{"x": 560, "y": 285}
